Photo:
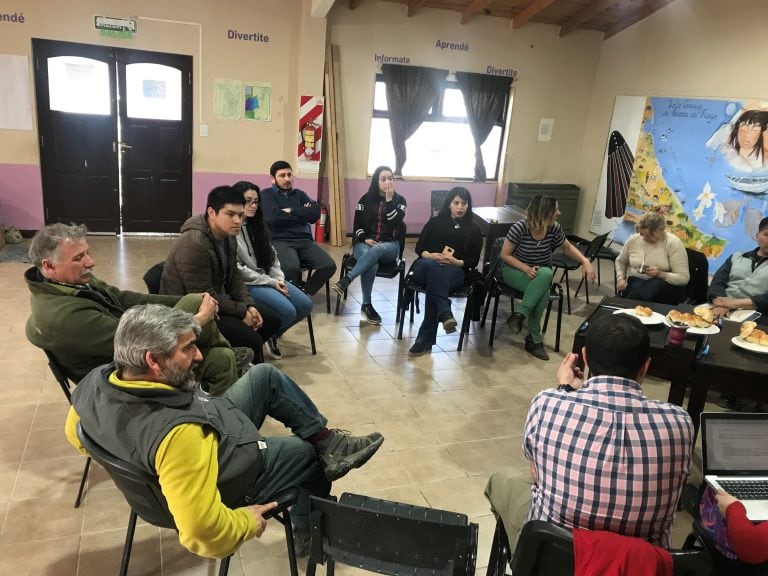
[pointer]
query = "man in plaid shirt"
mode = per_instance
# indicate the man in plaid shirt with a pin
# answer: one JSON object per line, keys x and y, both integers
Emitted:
{"x": 602, "y": 456}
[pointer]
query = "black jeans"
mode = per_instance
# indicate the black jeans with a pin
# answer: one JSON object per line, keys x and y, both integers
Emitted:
{"x": 293, "y": 254}
{"x": 238, "y": 334}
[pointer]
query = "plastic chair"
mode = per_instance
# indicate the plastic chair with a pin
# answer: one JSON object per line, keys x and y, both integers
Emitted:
{"x": 698, "y": 284}
{"x": 497, "y": 288}
{"x": 309, "y": 272}
{"x": 386, "y": 270}
{"x": 144, "y": 496}
{"x": 152, "y": 280}
{"x": 545, "y": 549}
{"x": 723, "y": 566}
{"x": 409, "y": 300}
{"x": 567, "y": 263}
{"x": 66, "y": 383}
{"x": 390, "y": 537}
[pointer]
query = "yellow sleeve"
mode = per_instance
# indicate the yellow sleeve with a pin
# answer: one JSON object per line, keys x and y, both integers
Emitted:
{"x": 70, "y": 429}
{"x": 187, "y": 465}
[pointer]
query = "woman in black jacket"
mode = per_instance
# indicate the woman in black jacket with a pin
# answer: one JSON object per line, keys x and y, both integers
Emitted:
{"x": 448, "y": 247}
{"x": 377, "y": 232}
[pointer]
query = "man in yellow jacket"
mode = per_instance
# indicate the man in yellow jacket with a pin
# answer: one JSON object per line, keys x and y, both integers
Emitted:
{"x": 215, "y": 469}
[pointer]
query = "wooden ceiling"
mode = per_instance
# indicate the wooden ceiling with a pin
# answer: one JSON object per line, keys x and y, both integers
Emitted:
{"x": 607, "y": 16}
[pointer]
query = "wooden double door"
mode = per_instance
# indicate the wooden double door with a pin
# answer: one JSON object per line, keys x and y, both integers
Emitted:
{"x": 115, "y": 136}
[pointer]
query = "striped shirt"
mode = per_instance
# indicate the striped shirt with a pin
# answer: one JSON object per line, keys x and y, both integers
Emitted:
{"x": 531, "y": 251}
{"x": 608, "y": 459}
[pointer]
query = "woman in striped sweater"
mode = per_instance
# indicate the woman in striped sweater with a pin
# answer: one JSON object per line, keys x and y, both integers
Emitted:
{"x": 527, "y": 255}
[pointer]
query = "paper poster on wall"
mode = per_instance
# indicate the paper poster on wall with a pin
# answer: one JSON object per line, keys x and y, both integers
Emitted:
{"x": 257, "y": 97}
{"x": 227, "y": 99}
{"x": 15, "y": 102}
{"x": 310, "y": 134}
{"x": 704, "y": 164}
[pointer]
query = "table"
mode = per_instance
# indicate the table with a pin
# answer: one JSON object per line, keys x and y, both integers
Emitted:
{"x": 673, "y": 363}
{"x": 729, "y": 369}
{"x": 494, "y": 222}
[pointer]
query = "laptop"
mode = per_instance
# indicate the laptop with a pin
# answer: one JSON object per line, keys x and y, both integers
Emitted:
{"x": 735, "y": 456}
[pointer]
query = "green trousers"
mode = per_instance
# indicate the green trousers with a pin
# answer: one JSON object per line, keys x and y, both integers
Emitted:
{"x": 217, "y": 371}
{"x": 535, "y": 295}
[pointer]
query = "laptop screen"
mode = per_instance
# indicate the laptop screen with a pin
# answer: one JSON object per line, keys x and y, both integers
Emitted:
{"x": 735, "y": 443}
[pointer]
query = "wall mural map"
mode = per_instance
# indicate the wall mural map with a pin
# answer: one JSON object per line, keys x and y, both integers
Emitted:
{"x": 704, "y": 164}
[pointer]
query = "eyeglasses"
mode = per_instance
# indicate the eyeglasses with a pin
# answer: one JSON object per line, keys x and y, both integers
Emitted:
{"x": 253, "y": 202}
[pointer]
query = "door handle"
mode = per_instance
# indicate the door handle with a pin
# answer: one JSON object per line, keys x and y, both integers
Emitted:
{"x": 124, "y": 147}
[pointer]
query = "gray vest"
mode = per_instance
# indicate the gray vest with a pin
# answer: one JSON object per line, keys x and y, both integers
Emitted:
{"x": 742, "y": 282}
{"x": 131, "y": 423}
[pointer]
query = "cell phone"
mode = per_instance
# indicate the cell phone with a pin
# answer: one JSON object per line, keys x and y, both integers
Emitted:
{"x": 447, "y": 251}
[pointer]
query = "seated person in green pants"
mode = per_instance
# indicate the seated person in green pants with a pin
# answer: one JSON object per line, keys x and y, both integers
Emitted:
{"x": 527, "y": 255}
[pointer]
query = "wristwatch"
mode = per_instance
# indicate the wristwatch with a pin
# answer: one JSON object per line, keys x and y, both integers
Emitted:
{"x": 566, "y": 388}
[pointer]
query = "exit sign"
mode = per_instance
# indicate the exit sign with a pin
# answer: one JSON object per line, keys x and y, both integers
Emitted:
{"x": 115, "y": 24}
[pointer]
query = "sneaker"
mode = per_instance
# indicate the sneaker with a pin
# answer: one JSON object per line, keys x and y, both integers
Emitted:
{"x": 449, "y": 322}
{"x": 273, "y": 349}
{"x": 419, "y": 348}
{"x": 340, "y": 451}
{"x": 341, "y": 286}
{"x": 243, "y": 359}
{"x": 515, "y": 323}
{"x": 302, "y": 539}
{"x": 534, "y": 349}
{"x": 370, "y": 314}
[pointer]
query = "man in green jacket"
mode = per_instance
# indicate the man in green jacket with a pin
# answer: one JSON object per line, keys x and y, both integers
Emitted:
{"x": 74, "y": 315}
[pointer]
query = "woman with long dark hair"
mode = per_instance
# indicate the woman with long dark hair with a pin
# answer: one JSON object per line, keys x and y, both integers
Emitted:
{"x": 377, "y": 232}
{"x": 449, "y": 246}
{"x": 258, "y": 265}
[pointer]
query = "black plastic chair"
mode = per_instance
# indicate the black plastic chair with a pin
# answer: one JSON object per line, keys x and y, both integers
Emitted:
{"x": 545, "y": 549}
{"x": 67, "y": 383}
{"x": 723, "y": 566}
{"x": 567, "y": 263}
{"x": 390, "y": 537}
{"x": 387, "y": 270}
{"x": 496, "y": 287}
{"x": 144, "y": 496}
{"x": 698, "y": 283}
{"x": 311, "y": 271}
{"x": 152, "y": 281}
{"x": 409, "y": 300}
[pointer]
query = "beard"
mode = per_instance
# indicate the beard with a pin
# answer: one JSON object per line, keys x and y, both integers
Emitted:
{"x": 179, "y": 377}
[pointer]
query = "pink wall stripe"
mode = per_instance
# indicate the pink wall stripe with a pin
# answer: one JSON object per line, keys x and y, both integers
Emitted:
{"x": 21, "y": 196}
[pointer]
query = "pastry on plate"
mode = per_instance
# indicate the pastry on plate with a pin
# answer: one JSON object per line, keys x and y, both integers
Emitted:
{"x": 704, "y": 311}
{"x": 747, "y": 328}
{"x": 643, "y": 311}
{"x": 693, "y": 320}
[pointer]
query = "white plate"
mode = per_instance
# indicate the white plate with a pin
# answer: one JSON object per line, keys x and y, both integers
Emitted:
{"x": 654, "y": 318}
{"x": 711, "y": 329}
{"x": 741, "y": 343}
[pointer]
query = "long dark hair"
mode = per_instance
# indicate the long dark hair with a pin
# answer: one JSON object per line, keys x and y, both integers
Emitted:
{"x": 257, "y": 229}
{"x": 373, "y": 196}
{"x": 749, "y": 117}
{"x": 463, "y": 193}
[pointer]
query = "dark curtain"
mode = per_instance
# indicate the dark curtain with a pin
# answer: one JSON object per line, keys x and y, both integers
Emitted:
{"x": 411, "y": 92}
{"x": 484, "y": 98}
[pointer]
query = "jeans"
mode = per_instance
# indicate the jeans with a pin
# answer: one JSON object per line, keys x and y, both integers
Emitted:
{"x": 291, "y": 309}
{"x": 439, "y": 281}
{"x": 368, "y": 259}
{"x": 653, "y": 290}
{"x": 535, "y": 295}
{"x": 293, "y": 254}
{"x": 290, "y": 460}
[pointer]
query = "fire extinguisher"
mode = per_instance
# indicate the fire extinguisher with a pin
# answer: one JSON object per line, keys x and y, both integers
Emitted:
{"x": 321, "y": 225}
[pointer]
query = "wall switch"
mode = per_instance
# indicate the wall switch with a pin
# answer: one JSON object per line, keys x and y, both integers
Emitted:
{"x": 203, "y": 130}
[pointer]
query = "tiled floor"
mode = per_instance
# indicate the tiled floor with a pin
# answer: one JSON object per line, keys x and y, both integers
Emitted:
{"x": 450, "y": 419}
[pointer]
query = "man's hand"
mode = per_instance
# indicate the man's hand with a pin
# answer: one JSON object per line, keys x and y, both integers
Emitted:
{"x": 569, "y": 372}
{"x": 281, "y": 287}
{"x": 253, "y": 318}
{"x": 724, "y": 500}
{"x": 208, "y": 309}
{"x": 725, "y": 302}
{"x": 720, "y": 311}
{"x": 370, "y": 242}
{"x": 258, "y": 511}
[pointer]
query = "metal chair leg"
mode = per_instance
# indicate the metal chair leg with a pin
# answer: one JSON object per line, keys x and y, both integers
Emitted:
{"x": 568, "y": 289}
{"x": 493, "y": 318}
{"x": 224, "y": 566}
{"x": 328, "y": 296}
{"x": 311, "y": 334}
{"x": 83, "y": 480}
{"x": 128, "y": 544}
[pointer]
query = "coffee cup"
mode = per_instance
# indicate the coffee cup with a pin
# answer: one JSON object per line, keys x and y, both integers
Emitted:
{"x": 677, "y": 332}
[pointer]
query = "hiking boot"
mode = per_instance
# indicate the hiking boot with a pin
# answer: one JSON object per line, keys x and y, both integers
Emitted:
{"x": 419, "y": 348}
{"x": 341, "y": 286}
{"x": 273, "y": 349}
{"x": 302, "y": 539}
{"x": 339, "y": 452}
{"x": 449, "y": 322}
{"x": 535, "y": 349}
{"x": 243, "y": 359}
{"x": 515, "y": 323}
{"x": 370, "y": 314}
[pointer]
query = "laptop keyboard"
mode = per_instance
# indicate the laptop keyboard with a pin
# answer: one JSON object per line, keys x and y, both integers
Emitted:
{"x": 746, "y": 489}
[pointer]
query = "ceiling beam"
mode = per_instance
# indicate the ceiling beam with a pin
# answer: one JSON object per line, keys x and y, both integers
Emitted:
{"x": 475, "y": 7}
{"x": 320, "y": 8}
{"x": 587, "y": 13}
{"x": 636, "y": 16}
{"x": 530, "y": 11}
{"x": 414, "y": 5}
{"x": 354, "y": 4}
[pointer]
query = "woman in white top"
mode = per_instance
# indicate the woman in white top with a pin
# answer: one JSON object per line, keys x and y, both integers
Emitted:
{"x": 258, "y": 265}
{"x": 653, "y": 264}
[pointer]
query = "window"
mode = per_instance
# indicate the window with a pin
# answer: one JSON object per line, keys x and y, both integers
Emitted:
{"x": 79, "y": 85}
{"x": 153, "y": 91}
{"x": 442, "y": 147}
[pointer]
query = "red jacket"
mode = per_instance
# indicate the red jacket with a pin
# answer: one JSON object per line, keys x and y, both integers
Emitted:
{"x": 600, "y": 553}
